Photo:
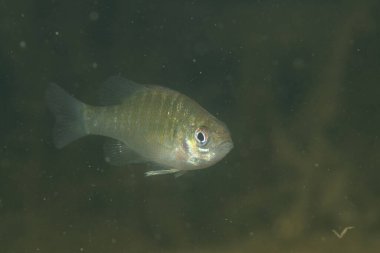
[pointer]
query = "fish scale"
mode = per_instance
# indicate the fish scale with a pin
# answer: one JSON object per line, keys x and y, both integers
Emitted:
{"x": 172, "y": 117}
{"x": 160, "y": 115}
{"x": 164, "y": 113}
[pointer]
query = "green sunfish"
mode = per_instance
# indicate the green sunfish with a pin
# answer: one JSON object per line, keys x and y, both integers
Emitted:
{"x": 145, "y": 123}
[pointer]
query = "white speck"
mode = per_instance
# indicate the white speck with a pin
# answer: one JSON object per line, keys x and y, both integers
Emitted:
{"x": 22, "y": 44}
{"x": 194, "y": 60}
{"x": 56, "y": 33}
{"x": 163, "y": 66}
{"x": 81, "y": 249}
{"x": 316, "y": 165}
{"x": 228, "y": 220}
{"x": 204, "y": 150}
{"x": 94, "y": 16}
{"x": 200, "y": 72}
{"x": 94, "y": 65}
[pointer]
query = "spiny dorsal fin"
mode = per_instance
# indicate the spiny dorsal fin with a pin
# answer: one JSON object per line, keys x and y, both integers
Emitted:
{"x": 116, "y": 88}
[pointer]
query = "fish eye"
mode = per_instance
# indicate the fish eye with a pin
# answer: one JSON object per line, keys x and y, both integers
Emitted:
{"x": 201, "y": 136}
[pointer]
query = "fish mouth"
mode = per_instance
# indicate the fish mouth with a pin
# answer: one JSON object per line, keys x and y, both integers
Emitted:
{"x": 226, "y": 146}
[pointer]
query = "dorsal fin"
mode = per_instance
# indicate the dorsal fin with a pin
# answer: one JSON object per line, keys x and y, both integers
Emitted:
{"x": 116, "y": 88}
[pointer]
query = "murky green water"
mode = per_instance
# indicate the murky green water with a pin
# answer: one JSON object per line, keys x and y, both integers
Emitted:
{"x": 296, "y": 82}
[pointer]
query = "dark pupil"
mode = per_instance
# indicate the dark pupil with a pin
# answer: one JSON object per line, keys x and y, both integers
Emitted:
{"x": 200, "y": 137}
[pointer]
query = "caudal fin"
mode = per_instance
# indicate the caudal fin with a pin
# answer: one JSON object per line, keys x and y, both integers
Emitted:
{"x": 68, "y": 113}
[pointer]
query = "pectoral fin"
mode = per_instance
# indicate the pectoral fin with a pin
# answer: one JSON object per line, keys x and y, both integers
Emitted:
{"x": 118, "y": 153}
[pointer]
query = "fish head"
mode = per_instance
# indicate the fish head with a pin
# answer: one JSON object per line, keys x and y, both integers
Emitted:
{"x": 206, "y": 143}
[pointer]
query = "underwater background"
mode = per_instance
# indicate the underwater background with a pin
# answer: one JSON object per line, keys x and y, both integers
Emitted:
{"x": 296, "y": 82}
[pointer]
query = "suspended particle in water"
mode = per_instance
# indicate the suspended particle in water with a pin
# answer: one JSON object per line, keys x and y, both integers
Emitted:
{"x": 299, "y": 63}
{"x": 22, "y": 44}
{"x": 94, "y": 16}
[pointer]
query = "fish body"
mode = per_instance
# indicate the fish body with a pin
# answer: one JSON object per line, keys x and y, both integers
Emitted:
{"x": 145, "y": 123}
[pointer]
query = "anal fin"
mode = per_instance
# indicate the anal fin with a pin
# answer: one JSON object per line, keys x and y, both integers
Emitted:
{"x": 161, "y": 172}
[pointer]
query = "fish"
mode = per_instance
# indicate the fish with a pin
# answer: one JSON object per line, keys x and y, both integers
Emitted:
{"x": 144, "y": 124}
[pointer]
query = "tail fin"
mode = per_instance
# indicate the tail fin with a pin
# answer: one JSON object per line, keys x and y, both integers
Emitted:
{"x": 68, "y": 113}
